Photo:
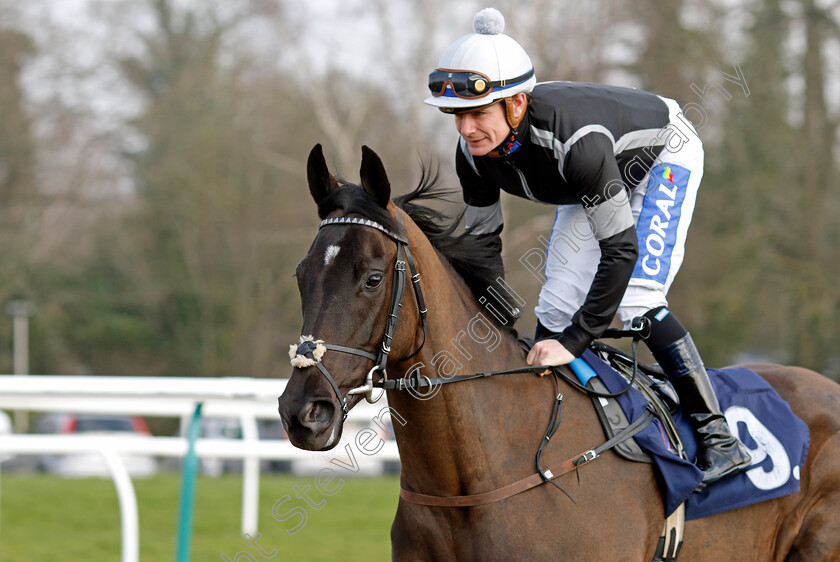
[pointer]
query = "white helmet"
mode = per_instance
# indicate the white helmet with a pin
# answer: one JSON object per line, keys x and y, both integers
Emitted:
{"x": 481, "y": 67}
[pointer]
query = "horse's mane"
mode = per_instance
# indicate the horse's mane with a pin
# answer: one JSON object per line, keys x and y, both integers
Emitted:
{"x": 473, "y": 258}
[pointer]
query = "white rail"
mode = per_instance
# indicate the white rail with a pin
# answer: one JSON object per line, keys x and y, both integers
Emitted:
{"x": 245, "y": 398}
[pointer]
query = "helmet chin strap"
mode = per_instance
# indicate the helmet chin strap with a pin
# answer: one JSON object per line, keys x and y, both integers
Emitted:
{"x": 512, "y": 141}
{"x": 512, "y": 119}
{"x": 508, "y": 146}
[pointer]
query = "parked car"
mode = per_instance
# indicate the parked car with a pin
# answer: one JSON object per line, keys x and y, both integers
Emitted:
{"x": 93, "y": 464}
{"x": 215, "y": 427}
{"x": 348, "y": 458}
{"x": 385, "y": 431}
{"x": 273, "y": 429}
{"x": 219, "y": 428}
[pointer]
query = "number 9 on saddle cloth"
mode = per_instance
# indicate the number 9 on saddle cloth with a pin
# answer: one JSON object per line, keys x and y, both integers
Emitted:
{"x": 777, "y": 439}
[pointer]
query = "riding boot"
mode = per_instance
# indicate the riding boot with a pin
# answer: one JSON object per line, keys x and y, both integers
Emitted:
{"x": 719, "y": 452}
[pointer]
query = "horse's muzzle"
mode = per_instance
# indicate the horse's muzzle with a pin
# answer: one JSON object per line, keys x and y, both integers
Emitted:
{"x": 312, "y": 424}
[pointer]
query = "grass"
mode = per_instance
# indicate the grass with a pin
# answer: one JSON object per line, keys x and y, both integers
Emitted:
{"x": 58, "y": 520}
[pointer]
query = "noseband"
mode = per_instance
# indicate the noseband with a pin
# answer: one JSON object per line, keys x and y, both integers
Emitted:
{"x": 308, "y": 353}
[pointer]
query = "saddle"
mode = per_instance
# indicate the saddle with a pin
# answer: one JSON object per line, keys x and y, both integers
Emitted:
{"x": 650, "y": 380}
{"x": 662, "y": 401}
{"x": 653, "y": 383}
{"x": 777, "y": 439}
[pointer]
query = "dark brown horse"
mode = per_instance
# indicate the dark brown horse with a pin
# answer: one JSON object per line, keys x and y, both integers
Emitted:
{"x": 477, "y": 436}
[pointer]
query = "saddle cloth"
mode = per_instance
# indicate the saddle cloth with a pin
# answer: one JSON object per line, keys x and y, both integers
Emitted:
{"x": 777, "y": 440}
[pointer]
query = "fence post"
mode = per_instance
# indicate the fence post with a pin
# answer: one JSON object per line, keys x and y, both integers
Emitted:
{"x": 250, "y": 477}
{"x": 129, "y": 526}
{"x": 187, "y": 500}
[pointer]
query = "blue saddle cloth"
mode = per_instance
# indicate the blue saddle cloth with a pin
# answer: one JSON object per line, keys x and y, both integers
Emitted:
{"x": 777, "y": 439}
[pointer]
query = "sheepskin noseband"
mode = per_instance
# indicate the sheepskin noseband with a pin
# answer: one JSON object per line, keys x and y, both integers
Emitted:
{"x": 301, "y": 361}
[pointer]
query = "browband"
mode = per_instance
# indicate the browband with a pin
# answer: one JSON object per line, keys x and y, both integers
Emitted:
{"x": 364, "y": 222}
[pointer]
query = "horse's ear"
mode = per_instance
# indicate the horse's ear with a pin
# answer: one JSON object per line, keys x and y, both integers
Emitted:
{"x": 374, "y": 180}
{"x": 321, "y": 181}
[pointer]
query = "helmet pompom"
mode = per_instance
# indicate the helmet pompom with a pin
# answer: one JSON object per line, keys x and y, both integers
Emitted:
{"x": 489, "y": 21}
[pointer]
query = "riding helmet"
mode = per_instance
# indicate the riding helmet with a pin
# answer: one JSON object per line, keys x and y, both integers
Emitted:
{"x": 481, "y": 67}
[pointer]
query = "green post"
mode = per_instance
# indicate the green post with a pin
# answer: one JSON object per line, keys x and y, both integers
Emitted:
{"x": 187, "y": 501}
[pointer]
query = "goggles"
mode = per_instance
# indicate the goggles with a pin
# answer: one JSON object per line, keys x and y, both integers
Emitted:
{"x": 468, "y": 84}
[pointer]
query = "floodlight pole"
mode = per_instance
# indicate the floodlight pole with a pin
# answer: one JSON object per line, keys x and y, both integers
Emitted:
{"x": 20, "y": 310}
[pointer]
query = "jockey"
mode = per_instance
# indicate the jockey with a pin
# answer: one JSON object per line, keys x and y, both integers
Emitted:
{"x": 623, "y": 168}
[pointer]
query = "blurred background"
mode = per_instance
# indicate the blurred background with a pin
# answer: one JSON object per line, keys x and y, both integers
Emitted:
{"x": 153, "y": 201}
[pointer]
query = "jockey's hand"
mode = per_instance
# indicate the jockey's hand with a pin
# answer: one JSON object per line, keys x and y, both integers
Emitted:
{"x": 549, "y": 352}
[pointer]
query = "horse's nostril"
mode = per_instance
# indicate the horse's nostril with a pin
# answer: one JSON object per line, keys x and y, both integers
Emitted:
{"x": 319, "y": 412}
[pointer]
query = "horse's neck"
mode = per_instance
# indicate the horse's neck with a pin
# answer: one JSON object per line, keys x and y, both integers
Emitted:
{"x": 459, "y": 329}
{"x": 462, "y": 335}
{"x": 473, "y": 436}
{"x": 452, "y": 437}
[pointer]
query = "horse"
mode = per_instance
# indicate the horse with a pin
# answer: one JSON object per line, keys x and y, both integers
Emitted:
{"x": 479, "y": 435}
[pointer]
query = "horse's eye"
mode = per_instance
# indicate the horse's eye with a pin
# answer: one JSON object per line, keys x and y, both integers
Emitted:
{"x": 373, "y": 281}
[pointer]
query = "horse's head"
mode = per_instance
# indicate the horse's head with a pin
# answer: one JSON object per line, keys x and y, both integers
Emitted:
{"x": 349, "y": 281}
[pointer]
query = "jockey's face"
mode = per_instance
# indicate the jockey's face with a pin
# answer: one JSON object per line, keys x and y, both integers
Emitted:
{"x": 483, "y": 129}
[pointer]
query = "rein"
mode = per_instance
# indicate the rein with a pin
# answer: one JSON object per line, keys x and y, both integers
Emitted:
{"x": 309, "y": 353}
{"x": 415, "y": 381}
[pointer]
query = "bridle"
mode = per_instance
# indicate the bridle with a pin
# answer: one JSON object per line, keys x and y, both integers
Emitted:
{"x": 404, "y": 258}
{"x": 312, "y": 351}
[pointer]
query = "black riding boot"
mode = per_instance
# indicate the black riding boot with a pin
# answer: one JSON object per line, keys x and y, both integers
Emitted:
{"x": 719, "y": 452}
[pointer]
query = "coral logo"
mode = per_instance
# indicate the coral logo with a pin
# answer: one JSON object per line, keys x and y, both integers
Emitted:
{"x": 659, "y": 221}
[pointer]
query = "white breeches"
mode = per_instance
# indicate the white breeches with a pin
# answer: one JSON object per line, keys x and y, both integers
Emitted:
{"x": 662, "y": 203}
